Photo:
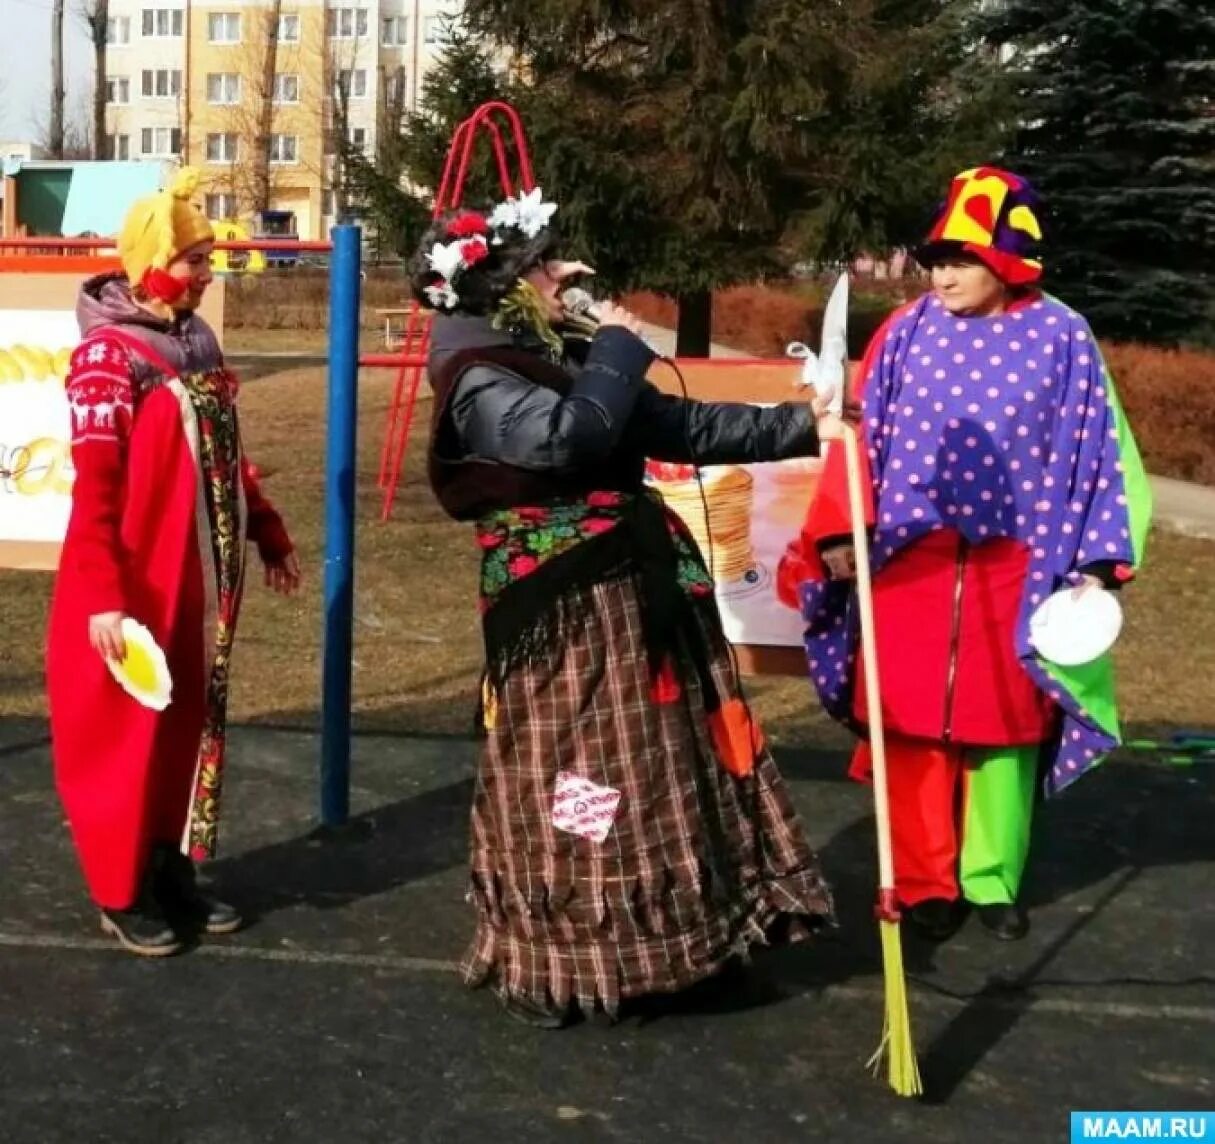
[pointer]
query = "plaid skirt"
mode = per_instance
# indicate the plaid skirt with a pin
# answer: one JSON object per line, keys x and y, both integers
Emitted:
{"x": 697, "y": 866}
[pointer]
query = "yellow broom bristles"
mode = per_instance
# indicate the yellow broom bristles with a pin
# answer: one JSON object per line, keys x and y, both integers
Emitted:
{"x": 896, "y": 1046}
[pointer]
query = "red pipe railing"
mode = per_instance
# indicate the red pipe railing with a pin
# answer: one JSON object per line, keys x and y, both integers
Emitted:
{"x": 416, "y": 335}
{"x": 27, "y": 242}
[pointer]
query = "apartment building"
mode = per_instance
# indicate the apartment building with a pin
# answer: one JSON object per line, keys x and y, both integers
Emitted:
{"x": 203, "y": 81}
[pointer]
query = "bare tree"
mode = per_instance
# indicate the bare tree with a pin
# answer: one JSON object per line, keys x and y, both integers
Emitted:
{"x": 75, "y": 133}
{"x": 249, "y": 172}
{"x": 390, "y": 115}
{"x": 338, "y": 100}
{"x": 96, "y": 17}
{"x": 341, "y": 62}
{"x": 55, "y": 138}
{"x": 265, "y": 109}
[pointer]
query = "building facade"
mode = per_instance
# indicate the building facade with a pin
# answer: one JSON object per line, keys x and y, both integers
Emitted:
{"x": 219, "y": 84}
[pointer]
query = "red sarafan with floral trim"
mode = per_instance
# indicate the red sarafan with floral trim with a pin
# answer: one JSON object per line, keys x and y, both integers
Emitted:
{"x": 163, "y": 503}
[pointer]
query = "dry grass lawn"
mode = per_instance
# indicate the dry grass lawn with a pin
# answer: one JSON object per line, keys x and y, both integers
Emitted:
{"x": 417, "y": 644}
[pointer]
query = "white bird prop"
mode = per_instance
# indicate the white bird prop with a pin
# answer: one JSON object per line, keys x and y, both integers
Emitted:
{"x": 827, "y": 370}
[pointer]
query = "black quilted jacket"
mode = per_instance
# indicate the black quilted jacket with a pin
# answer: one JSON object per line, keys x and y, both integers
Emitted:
{"x": 499, "y": 416}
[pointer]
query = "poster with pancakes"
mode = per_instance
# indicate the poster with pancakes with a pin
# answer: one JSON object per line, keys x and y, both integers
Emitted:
{"x": 743, "y": 516}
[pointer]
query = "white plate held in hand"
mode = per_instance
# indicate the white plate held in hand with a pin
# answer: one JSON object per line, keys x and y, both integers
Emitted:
{"x": 143, "y": 673}
{"x": 1074, "y": 627}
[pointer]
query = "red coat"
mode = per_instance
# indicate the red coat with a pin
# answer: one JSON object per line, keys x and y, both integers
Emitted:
{"x": 138, "y": 542}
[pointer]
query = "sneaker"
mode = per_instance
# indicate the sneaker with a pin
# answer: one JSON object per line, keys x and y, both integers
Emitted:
{"x": 176, "y": 888}
{"x": 1005, "y": 921}
{"x": 143, "y": 930}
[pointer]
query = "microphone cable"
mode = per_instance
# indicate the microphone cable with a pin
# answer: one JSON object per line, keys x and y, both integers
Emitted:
{"x": 670, "y": 362}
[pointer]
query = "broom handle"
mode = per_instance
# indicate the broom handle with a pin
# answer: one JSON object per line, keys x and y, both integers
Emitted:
{"x": 873, "y": 691}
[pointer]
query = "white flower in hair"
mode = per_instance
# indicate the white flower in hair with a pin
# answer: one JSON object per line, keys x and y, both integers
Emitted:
{"x": 504, "y": 216}
{"x": 528, "y": 213}
{"x": 445, "y": 259}
{"x": 441, "y": 296}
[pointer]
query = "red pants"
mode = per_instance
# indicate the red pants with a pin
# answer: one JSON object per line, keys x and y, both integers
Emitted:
{"x": 960, "y": 819}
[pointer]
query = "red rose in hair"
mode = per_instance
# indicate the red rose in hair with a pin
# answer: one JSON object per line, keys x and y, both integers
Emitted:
{"x": 473, "y": 250}
{"x": 466, "y": 225}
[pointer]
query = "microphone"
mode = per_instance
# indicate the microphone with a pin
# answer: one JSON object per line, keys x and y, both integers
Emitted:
{"x": 584, "y": 309}
{"x": 579, "y": 304}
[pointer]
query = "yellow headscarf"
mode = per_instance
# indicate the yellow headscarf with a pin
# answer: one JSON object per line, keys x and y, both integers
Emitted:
{"x": 162, "y": 226}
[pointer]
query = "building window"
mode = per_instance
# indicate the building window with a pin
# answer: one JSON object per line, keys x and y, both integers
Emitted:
{"x": 222, "y": 148}
{"x": 118, "y": 89}
{"x": 118, "y": 146}
{"x": 118, "y": 31}
{"x": 160, "y": 142}
{"x": 357, "y": 137}
{"x": 161, "y": 22}
{"x": 163, "y": 83}
{"x": 288, "y": 29}
{"x": 347, "y": 23}
{"x": 220, "y": 206}
{"x": 395, "y": 89}
{"x": 223, "y": 88}
{"x": 223, "y": 27}
{"x": 353, "y": 84}
{"x": 432, "y": 29}
{"x": 395, "y": 31}
{"x": 327, "y": 204}
{"x": 283, "y": 148}
{"x": 286, "y": 89}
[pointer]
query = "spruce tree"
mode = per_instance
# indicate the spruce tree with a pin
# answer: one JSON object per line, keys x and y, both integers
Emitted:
{"x": 1115, "y": 124}
{"x": 395, "y": 193}
{"x": 464, "y": 76}
{"x": 694, "y": 144}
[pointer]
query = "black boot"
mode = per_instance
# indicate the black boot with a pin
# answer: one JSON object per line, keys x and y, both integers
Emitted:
{"x": 937, "y": 919}
{"x": 1004, "y": 921}
{"x": 529, "y": 1012}
{"x": 176, "y": 888}
{"x": 142, "y": 928}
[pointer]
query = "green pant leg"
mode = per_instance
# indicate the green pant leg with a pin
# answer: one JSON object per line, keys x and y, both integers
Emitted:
{"x": 996, "y": 817}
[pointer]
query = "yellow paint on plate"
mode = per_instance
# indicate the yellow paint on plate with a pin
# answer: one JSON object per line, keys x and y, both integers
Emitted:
{"x": 143, "y": 673}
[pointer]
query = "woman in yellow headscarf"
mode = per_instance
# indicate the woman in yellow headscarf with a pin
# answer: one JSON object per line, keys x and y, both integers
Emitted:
{"x": 163, "y": 504}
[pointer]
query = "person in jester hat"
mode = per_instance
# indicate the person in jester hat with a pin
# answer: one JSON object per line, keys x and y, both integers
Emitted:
{"x": 163, "y": 502}
{"x": 1000, "y": 470}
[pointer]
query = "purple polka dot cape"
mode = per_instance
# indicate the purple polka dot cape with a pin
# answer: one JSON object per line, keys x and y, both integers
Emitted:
{"x": 996, "y": 427}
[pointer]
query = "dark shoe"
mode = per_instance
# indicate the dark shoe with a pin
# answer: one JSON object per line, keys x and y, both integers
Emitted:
{"x": 143, "y": 930}
{"x": 937, "y": 919}
{"x": 176, "y": 888}
{"x": 528, "y": 1012}
{"x": 1004, "y": 921}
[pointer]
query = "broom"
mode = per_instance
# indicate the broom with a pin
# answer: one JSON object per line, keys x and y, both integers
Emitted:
{"x": 895, "y": 1047}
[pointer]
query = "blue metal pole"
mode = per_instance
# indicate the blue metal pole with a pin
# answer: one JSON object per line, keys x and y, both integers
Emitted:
{"x": 340, "y": 459}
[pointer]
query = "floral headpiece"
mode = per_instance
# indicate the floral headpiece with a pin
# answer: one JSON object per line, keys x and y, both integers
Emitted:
{"x": 470, "y": 236}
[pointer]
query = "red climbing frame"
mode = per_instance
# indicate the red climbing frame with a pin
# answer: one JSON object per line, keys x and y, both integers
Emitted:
{"x": 416, "y": 339}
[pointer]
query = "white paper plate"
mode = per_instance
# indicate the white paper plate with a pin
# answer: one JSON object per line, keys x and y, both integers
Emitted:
{"x": 144, "y": 673}
{"x": 1070, "y": 629}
